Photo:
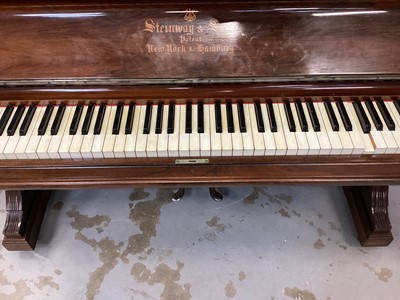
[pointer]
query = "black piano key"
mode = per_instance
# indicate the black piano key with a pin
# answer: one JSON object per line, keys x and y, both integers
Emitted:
{"x": 159, "y": 121}
{"x": 57, "y": 120}
{"x": 385, "y": 114}
{"x": 362, "y": 116}
{"x": 45, "y": 120}
{"x": 27, "y": 120}
{"x": 5, "y": 117}
{"x": 218, "y": 118}
{"x": 242, "y": 120}
{"x": 15, "y": 120}
{"x": 117, "y": 119}
{"x": 397, "y": 105}
{"x": 271, "y": 116}
{"x": 88, "y": 119}
{"x": 374, "y": 115}
{"x": 259, "y": 117}
{"x": 129, "y": 119}
{"x": 147, "y": 119}
{"x": 100, "y": 117}
{"x": 289, "y": 116}
{"x": 188, "y": 120}
{"x": 313, "y": 116}
{"x": 171, "y": 118}
{"x": 301, "y": 115}
{"x": 331, "y": 115}
{"x": 229, "y": 116}
{"x": 75, "y": 119}
{"x": 344, "y": 116}
{"x": 200, "y": 117}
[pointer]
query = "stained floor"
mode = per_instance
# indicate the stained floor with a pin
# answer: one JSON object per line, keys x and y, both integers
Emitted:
{"x": 277, "y": 242}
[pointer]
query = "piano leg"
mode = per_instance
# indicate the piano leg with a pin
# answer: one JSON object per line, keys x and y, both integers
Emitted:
{"x": 25, "y": 212}
{"x": 369, "y": 209}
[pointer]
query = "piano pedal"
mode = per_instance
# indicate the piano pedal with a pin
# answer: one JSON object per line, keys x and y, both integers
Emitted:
{"x": 217, "y": 196}
{"x": 178, "y": 195}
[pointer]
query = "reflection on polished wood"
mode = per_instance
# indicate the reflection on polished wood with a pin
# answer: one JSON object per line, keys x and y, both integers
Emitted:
{"x": 100, "y": 51}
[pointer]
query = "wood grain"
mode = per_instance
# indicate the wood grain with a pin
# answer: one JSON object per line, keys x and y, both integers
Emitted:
{"x": 271, "y": 39}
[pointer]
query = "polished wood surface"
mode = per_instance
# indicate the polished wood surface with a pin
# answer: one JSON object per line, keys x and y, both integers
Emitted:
{"x": 369, "y": 209}
{"x": 25, "y": 211}
{"x": 72, "y": 41}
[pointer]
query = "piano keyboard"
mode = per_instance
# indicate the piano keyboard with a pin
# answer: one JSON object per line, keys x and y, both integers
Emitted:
{"x": 223, "y": 128}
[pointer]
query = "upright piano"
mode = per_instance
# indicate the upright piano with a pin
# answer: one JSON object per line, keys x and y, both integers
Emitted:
{"x": 101, "y": 93}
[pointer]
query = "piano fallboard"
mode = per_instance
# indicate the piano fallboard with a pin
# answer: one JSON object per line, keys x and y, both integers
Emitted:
{"x": 139, "y": 41}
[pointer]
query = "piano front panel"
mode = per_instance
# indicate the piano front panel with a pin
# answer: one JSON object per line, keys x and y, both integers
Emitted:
{"x": 105, "y": 40}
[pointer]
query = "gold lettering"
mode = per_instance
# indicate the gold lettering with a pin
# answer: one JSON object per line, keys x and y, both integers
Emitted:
{"x": 184, "y": 39}
{"x": 149, "y": 26}
{"x": 213, "y": 25}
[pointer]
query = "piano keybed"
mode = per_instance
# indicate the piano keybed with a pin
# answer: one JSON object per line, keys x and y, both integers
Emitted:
{"x": 196, "y": 128}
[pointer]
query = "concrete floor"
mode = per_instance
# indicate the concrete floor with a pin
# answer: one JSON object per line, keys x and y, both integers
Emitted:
{"x": 278, "y": 242}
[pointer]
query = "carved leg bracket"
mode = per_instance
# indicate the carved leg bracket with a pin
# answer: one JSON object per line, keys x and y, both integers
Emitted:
{"x": 25, "y": 212}
{"x": 369, "y": 209}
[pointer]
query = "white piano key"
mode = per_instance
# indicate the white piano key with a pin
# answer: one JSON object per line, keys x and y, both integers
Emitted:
{"x": 247, "y": 137}
{"x": 152, "y": 137}
{"x": 216, "y": 146}
{"x": 76, "y": 142}
{"x": 311, "y": 135}
{"x": 336, "y": 144}
{"x": 87, "y": 142}
{"x": 376, "y": 136}
{"x": 135, "y": 145}
{"x": 226, "y": 137}
{"x": 34, "y": 141}
{"x": 173, "y": 138}
{"x": 395, "y": 116}
{"x": 162, "y": 143}
{"x": 237, "y": 141}
{"x": 322, "y": 135}
{"x": 141, "y": 141}
{"x": 184, "y": 138}
{"x": 194, "y": 136}
{"x": 9, "y": 150}
{"x": 344, "y": 136}
{"x": 45, "y": 139}
{"x": 1, "y": 114}
{"x": 390, "y": 137}
{"x": 269, "y": 139}
{"x": 279, "y": 135}
{"x": 361, "y": 141}
{"x": 258, "y": 137}
{"x": 290, "y": 137}
{"x": 120, "y": 139}
{"x": 24, "y": 141}
{"x": 205, "y": 141}
{"x": 66, "y": 139}
{"x": 301, "y": 138}
{"x": 105, "y": 134}
{"x": 56, "y": 140}
{"x": 108, "y": 145}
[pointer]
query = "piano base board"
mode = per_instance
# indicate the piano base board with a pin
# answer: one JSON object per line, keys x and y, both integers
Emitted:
{"x": 369, "y": 210}
{"x": 368, "y": 206}
{"x": 25, "y": 213}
